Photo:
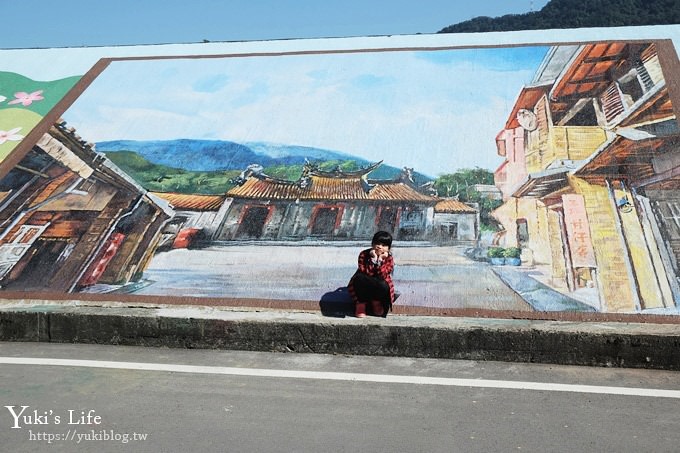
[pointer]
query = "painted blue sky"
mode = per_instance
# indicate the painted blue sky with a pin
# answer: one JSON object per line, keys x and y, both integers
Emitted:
{"x": 436, "y": 111}
{"x": 75, "y": 23}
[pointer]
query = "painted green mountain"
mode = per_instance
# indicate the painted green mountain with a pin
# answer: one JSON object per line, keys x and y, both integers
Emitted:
{"x": 163, "y": 178}
{"x": 280, "y": 160}
{"x": 213, "y": 176}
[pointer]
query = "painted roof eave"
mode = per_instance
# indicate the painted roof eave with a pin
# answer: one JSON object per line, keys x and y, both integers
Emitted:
{"x": 540, "y": 184}
{"x": 161, "y": 203}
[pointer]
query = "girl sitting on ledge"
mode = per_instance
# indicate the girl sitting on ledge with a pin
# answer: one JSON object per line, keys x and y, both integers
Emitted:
{"x": 371, "y": 286}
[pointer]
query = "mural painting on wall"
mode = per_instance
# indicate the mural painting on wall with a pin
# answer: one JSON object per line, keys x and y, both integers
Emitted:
{"x": 257, "y": 176}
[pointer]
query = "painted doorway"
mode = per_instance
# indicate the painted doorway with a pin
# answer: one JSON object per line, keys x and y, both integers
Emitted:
{"x": 252, "y": 225}
{"x": 41, "y": 268}
{"x": 324, "y": 222}
{"x": 387, "y": 219}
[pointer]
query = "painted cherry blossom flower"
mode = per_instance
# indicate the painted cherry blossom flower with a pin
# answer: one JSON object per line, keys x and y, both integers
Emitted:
{"x": 10, "y": 135}
{"x": 26, "y": 99}
{"x": 2, "y": 98}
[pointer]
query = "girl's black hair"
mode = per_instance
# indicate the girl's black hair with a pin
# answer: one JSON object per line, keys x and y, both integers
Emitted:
{"x": 383, "y": 238}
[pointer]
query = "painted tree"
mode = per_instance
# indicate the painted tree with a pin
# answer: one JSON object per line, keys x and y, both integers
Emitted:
{"x": 460, "y": 185}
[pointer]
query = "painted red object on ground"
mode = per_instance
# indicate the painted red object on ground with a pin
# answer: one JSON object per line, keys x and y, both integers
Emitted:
{"x": 185, "y": 237}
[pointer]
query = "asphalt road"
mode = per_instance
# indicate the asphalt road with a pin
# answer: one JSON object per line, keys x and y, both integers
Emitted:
{"x": 165, "y": 400}
{"x": 426, "y": 276}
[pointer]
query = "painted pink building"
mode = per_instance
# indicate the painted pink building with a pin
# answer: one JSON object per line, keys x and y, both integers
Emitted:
{"x": 512, "y": 172}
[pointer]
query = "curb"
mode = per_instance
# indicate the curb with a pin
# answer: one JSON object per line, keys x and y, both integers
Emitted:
{"x": 631, "y": 345}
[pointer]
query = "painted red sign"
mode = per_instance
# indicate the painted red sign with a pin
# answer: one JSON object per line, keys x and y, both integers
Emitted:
{"x": 578, "y": 231}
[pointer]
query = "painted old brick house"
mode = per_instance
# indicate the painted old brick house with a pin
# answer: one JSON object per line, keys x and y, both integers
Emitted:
{"x": 455, "y": 222}
{"x": 70, "y": 219}
{"x": 200, "y": 212}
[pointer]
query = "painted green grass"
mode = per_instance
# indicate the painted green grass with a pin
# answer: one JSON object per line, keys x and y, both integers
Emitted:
{"x": 23, "y": 118}
{"x": 52, "y": 91}
{"x": 11, "y": 119}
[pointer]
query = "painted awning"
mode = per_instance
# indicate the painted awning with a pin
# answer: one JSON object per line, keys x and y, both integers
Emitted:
{"x": 634, "y": 154}
{"x": 590, "y": 73}
{"x": 538, "y": 185}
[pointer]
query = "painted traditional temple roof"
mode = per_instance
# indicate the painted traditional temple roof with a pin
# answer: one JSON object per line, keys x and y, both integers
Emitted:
{"x": 192, "y": 202}
{"x": 453, "y": 207}
{"x": 336, "y": 187}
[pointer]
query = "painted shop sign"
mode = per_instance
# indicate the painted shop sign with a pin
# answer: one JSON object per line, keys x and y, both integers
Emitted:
{"x": 578, "y": 231}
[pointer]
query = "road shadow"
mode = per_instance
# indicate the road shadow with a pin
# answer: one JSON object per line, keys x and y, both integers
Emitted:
{"x": 337, "y": 304}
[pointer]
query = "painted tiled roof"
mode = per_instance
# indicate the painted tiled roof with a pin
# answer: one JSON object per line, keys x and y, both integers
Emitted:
{"x": 453, "y": 206}
{"x": 192, "y": 202}
{"x": 398, "y": 191}
{"x": 259, "y": 188}
{"x": 327, "y": 188}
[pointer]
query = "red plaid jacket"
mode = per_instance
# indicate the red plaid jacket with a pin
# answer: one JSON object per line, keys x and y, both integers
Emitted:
{"x": 366, "y": 266}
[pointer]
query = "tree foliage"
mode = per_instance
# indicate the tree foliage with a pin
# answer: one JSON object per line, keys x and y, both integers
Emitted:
{"x": 578, "y": 14}
{"x": 458, "y": 184}
{"x": 461, "y": 184}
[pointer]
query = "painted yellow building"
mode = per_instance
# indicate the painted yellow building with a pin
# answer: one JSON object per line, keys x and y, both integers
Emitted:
{"x": 596, "y": 200}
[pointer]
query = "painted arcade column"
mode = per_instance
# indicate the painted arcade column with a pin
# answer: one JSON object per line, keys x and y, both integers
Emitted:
{"x": 643, "y": 260}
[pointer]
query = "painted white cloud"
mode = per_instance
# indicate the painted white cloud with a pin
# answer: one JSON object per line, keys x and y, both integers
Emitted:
{"x": 390, "y": 106}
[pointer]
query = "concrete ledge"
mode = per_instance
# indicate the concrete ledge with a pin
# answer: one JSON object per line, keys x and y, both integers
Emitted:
{"x": 558, "y": 342}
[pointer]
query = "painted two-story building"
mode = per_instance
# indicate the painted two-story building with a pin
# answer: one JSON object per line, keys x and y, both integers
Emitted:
{"x": 589, "y": 177}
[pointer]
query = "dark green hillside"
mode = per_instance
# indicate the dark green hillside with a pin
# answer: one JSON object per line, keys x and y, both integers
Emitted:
{"x": 161, "y": 178}
{"x": 578, "y": 14}
{"x": 293, "y": 172}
